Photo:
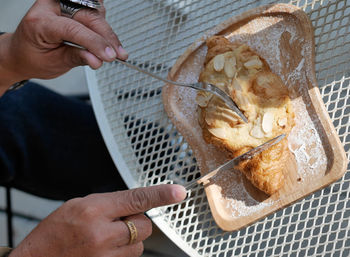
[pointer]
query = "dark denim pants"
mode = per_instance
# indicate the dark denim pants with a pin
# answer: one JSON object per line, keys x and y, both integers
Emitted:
{"x": 50, "y": 146}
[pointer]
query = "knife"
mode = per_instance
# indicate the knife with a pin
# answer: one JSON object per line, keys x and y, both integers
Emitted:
{"x": 231, "y": 164}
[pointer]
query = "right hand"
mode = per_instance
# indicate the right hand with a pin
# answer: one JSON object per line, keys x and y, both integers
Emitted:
{"x": 92, "y": 226}
{"x": 36, "y": 49}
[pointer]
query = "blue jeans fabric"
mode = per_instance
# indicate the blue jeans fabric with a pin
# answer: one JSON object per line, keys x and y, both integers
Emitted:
{"x": 50, "y": 146}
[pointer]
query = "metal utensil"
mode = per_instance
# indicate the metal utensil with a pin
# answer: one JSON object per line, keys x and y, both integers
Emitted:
{"x": 235, "y": 161}
{"x": 198, "y": 86}
{"x": 95, "y": 4}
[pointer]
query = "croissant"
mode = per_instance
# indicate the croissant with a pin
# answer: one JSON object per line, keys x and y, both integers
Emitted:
{"x": 264, "y": 100}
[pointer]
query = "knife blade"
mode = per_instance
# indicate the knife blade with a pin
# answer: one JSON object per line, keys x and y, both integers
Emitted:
{"x": 231, "y": 164}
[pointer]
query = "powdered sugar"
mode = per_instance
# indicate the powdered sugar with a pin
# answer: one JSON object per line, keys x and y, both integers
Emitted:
{"x": 236, "y": 199}
{"x": 305, "y": 140}
{"x": 266, "y": 46}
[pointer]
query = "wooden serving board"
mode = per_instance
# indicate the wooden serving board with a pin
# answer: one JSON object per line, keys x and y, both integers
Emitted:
{"x": 282, "y": 34}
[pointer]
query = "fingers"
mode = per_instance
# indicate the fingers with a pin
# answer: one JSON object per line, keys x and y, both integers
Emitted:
{"x": 76, "y": 32}
{"x": 143, "y": 226}
{"x": 95, "y": 20}
{"x": 77, "y": 57}
{"x": 90, "y": 59}
{"x": 73, "y": 31}
{"x": 139, "y": 200}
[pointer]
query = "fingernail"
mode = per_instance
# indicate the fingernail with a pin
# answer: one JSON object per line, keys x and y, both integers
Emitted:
{"x": 110, "y": 52}
{"x": 122, "y": 53}
{"x": 179, "y": 193}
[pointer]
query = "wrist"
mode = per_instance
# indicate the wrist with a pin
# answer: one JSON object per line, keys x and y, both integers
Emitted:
{"x": 8, "y": 73}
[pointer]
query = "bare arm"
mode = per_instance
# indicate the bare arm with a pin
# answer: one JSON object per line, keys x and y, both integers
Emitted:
{"x": 8, "y": 76}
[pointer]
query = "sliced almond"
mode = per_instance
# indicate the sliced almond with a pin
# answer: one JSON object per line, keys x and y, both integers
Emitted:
{"x": 218, "y": 113}
{"x": 203, "y": 98}
{"x": 228, "y": 116}
{"x": 282, "y": 122}
{"x": 220, "y": 84}
{"x": 267, "y": 122}
{"x": 257, "y": 132}
{"x": 241, "y": 99}
{"x": 219, "y": 132}
{"x": 253, "y": 63}
{"x": 236, "y": 85}
{"x": 230, "y": 67}
{"x": 219, "y": 62}
{"x": 211, "y": 118}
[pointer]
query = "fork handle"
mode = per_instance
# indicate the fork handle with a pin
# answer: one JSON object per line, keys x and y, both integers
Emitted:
{"x": 128, "y": 64}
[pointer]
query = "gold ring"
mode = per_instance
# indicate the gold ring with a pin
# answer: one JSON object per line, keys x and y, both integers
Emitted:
{"x": 132, "y": 229}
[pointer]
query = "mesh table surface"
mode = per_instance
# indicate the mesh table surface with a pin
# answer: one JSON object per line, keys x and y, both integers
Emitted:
{"x": 148, "y": 150}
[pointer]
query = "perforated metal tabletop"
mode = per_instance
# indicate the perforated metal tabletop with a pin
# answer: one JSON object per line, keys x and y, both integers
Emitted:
{"x": 148, "y": 150}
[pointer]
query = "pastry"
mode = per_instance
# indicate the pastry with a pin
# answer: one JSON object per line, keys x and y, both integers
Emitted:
{"x": 264, "y": 100}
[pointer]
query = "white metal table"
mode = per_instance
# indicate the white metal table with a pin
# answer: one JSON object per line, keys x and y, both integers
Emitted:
{"x": 148, "y": 150}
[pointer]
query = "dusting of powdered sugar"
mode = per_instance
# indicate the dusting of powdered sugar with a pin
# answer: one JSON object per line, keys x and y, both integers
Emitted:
{"x": 235, "y": 198}
{"x": 266, "y": 46}
{"x": 187, "y": 95}
{"x": 295, "y": 75}
{"x": 305, "y": 141}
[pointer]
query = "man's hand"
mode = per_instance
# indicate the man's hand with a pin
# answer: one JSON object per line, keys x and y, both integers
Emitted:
{"x": 36, "y": 49}
{"x": 92, "y": 226}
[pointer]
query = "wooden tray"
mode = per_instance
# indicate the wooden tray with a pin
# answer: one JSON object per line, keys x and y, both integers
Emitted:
{"x": 282, "y": 34}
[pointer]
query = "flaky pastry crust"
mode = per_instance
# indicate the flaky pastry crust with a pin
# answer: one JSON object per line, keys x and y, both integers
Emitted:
{"x": 263, "y": 98}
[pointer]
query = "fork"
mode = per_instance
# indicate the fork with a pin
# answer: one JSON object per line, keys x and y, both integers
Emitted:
{"x": 198, "y": 85}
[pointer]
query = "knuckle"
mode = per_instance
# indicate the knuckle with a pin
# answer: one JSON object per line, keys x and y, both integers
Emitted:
{"x": 96, "y": 238}
{"x": 139, "y": 200}
{"x": 31, "y": 18}
{"x": 91, "y": 16}
{"x": 72, "y": 203}
{"x": 72, "y": 30}
{"x": 84, "y": 208}
{"x": 32, "y": 23}
{"x": 110, "y": 34}
{"x": 89, "y": 211}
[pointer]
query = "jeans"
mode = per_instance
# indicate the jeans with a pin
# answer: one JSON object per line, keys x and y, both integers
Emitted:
{"x": 50, "y": 146}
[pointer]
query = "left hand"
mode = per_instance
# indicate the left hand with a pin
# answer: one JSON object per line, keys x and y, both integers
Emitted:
{"x": 92, "y": 226}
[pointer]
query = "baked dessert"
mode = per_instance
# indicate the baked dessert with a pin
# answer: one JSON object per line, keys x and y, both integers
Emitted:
{"x": 264, "y": 100}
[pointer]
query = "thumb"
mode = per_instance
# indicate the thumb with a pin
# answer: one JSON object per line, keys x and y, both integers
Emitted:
{"x": 139, "y": 200}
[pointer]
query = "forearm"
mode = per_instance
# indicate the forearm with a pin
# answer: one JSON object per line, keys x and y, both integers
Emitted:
{"x": 8, "y": 74}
